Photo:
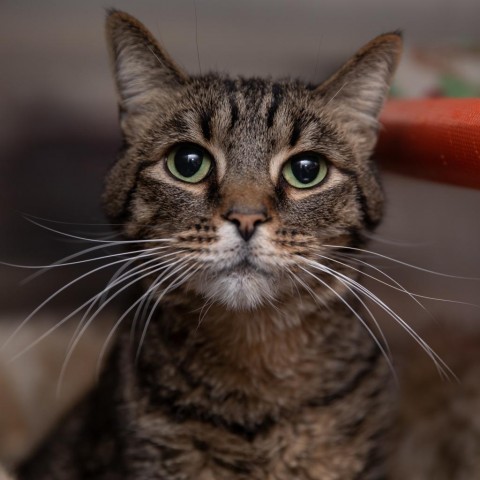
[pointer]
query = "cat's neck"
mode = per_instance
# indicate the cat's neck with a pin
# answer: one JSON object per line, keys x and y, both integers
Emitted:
{"x": 268, "y": 356}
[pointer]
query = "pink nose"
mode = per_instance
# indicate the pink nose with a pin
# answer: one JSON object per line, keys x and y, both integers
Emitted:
{"x": 246, "y": 221}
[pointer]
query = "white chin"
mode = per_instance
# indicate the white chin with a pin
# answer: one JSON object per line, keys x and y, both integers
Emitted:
{"x": 238, "y": 291}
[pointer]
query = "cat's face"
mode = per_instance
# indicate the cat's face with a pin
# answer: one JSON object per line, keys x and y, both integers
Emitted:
{"x": 244, "y": 178}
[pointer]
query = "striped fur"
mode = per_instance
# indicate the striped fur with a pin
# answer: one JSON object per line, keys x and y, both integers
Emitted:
{"x": 253, "y": 368}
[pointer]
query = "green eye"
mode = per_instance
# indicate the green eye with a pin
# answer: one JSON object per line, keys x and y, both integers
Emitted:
{"x": 189, "y": 162}
{"x": 305, "y": 170}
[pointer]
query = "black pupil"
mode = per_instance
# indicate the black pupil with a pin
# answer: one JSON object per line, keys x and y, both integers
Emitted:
{"x": 305, "y": 168}
{"x": 188, "y": 160}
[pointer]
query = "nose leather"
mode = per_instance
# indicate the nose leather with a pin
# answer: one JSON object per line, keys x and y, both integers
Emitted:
{"x": 246, "y": 221}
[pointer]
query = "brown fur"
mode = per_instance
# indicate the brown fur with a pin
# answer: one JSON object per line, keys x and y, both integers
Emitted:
{"x": 255, "y": 365}
{"x": 438, "y": 428}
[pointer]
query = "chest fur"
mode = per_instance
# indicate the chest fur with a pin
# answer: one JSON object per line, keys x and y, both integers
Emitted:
{"x": 321, "y": 415}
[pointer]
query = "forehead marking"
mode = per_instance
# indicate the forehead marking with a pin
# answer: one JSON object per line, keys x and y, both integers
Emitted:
{"x": 205, "y": 119}
{"x": 234, "y": 112}
{"x": 296, "y": 130}
{"x": 276, "y": 100}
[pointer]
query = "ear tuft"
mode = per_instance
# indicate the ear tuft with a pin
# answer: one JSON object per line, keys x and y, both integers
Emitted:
{"x": 361, "y": 85}
{"x": 142, "y": 68}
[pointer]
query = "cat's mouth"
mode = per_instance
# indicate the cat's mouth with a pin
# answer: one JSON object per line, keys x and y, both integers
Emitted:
{"x": 244, "y": 267}
{"x": 242, "y": 284}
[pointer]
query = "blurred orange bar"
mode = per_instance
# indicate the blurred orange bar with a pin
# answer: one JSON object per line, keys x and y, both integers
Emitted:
{"x": 434, "y": 139}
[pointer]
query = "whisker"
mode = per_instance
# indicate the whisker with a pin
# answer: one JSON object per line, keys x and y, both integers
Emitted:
{"x": 64, "y": 263}
{"x": 151, "y": 310}
{"x": 294, "y": 281}
{"x": 388, "y": 241}
{"x": 150, "y": 290}
{"x": 27, "y": 216}
{"x": 146, "y": 299}
{"x": 179, "y": 281}
{"x": 140, "y": 275}
{"x": 360, "y": 319}
{"x": 403, "y": 263}
{"x": 114, "y": 282}
{"x": 365, "y": 306}
{"x": 441, "y": 366}
{"x": 336, "y": 93}
{"x": 55, "y": 327}
{"x": 138, "y": 270}
{"x": 311, "y": 292}
{"x": 196, "y": 37}
{"x": 55, "y": 294}
{"x": 400, "y": 287}
{"x": 86, "y": 239}
{"x": 104, "y": 294}
{"x": 203, "y": 312}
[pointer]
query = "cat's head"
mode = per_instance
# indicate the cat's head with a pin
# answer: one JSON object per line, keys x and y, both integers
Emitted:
{"x": 246, "y": 179}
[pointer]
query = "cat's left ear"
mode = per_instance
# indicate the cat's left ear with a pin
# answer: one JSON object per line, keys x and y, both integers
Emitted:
{"x": 143, "y": 70}
{"x": 358, "y": 89}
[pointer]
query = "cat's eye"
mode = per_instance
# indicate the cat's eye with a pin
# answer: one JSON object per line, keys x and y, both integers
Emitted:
{"x": 305, "y": 170}
{"x": 189, "y": 162}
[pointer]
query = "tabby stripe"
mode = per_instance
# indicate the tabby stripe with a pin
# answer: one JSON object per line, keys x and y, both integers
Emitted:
{"x": 276, "y": 97}
{"x": 357, "y": 240}
{"x": 205, "y": 117}
{"x": 296, "y": 129}
{"x": 184, "y": 413}
{"x": 238, "y": 467}
{"x": 125, "y": 213}
{"x": 234, "y": 112}
{"x": 169, "y": 401}
{"x": 370, "y": 224}
{"x": 352, "y": 385}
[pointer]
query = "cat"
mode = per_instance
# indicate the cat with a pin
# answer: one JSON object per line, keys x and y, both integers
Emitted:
{"x": 240, "y": 199}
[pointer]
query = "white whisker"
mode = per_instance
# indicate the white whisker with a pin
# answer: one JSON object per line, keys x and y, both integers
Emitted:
{"x": 203, "y": 312}
{"x": 139, "y": 276}
{"x": 149, "y": 291}
{"x": 315, "y": 297}
{"x": 62, "y": 263}
{"x": 65, "y": 319}
{"x": 117, "y": 279}
{"x": 57, "y": 292}
{"x": 28, "y": 216}
{"x": 388, "y": 241}
{"x": 439, "y": 363}
{"x": 146, "y": 298}
{"x": 86, "y": 239}
{"x": 179, "y": 281}
{"x": 364, "y": 305}
{"x": 51, "y": 297}
{"x": 399, "y": 287}
{"x": 360, "y": 319}
{"x": 386, "y": 257}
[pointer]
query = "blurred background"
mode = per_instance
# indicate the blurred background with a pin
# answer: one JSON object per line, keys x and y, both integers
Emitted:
{"x": 59, "y": 134}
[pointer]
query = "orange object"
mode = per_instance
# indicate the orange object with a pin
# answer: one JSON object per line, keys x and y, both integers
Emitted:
{"x": 434, "y": 139}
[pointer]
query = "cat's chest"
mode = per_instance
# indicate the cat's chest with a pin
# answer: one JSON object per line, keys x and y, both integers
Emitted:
{"x": 288, "y": 460}
{"x": 188, "y": 420}
{"x": 313, "y": 444}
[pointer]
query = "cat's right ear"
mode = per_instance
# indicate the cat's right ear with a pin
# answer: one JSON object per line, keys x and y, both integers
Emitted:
{"x": 143, "y": 70}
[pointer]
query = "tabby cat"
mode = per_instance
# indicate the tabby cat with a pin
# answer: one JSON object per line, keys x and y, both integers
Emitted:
{"x": 239, "y": 198}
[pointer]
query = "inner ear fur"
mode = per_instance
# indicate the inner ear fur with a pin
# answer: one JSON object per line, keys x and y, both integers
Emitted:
{"x": 142, "y": 68}
{"x": 361, "y": 85}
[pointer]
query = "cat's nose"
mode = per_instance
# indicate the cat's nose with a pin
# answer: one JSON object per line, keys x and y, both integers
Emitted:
{"x": 246, "y": 220}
